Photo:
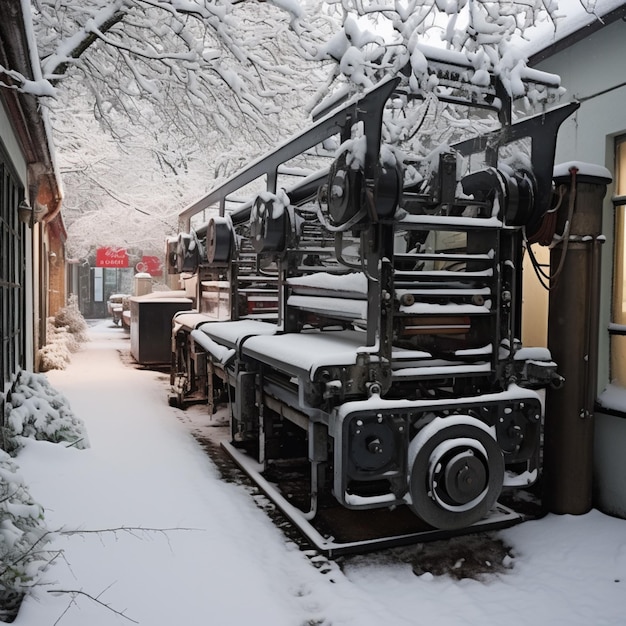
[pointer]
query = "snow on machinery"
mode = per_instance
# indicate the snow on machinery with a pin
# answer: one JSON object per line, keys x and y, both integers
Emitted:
{"x": 366, "y": 317}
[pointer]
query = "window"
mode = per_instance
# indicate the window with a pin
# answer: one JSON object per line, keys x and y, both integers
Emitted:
{"x": 12, "y": 276}
{"x": 618, "y": 327}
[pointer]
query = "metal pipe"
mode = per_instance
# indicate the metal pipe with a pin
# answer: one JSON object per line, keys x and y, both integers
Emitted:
{"x": 573, "y": 341}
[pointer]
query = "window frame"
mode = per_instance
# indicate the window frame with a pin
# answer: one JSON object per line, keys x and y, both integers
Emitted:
{"x": 12, "y": 275}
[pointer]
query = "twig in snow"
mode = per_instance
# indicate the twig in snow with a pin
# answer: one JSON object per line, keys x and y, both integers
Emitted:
{"x": 127, "y": 529}
{"x": 133, "y": 531}
{"x": 74, "y": 593}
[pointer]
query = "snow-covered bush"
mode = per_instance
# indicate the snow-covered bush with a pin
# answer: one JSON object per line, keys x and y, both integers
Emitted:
{"x": 71, "y": 318}
{"x": 65, "y": 332}
{"x": 23, "y": 536}
{"x": 56, "y": 354}
{"x": 35, "y": 409}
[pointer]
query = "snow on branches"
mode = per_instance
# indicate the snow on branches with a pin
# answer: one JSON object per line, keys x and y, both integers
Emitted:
{"x": 382, "y": 37}
{"x": 419, "y": 41}
{"x": 190, "y": 65}
{"x": 186, "y": 92}
{"x": 23, "y": 536}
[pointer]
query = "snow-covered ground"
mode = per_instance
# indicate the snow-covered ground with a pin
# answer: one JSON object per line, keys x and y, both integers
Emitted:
{"x": 180, "y": 546}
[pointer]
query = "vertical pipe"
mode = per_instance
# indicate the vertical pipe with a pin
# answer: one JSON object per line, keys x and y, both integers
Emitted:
{"x": 573, "y": 341}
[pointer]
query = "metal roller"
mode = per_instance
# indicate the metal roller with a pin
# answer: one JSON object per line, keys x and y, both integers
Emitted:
{"x": 219, "y": 240}
{"x": 186, "y": 253}
{"x": 268, "y": 226}
{"x": 171, "y": 255}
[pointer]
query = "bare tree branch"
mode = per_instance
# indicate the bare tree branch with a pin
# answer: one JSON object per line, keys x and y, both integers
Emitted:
{"x": 74, "y": 593}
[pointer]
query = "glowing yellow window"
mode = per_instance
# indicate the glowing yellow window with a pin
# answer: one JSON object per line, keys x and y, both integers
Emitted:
{"x": 618, "y": 327}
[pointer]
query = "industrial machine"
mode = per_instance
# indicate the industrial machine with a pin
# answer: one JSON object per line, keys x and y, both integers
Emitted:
{"x": 358, "y": 300}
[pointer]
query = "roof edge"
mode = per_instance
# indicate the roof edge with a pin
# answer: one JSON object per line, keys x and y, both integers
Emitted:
{"x": 29, "y": 120}
{"x": 569, "y": 40}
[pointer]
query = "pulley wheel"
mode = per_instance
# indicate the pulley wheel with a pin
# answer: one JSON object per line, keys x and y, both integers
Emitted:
{"x": 456, "y": 472}
{"x": 219, "y": 239}
{"x": 268, "y": 226}
{"x": 186, "y": 253}
{"x": 344, "y": 192}
{"x": 387, "y": 191}
{"x": 372, "y": 446}
{"x": 172, "y": 256}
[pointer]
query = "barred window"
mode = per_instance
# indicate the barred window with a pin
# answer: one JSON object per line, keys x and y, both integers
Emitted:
{"x": 12, "y": 276}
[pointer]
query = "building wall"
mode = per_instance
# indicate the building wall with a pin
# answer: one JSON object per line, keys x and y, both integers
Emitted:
{"x": 55, "y": 266}
{"x": 593, "y": 72}
{"x": 28, "y": 174}
{"x": 535, "y": 302}
{"x": 16, "y": 282}
{"x": 11, "y": 146}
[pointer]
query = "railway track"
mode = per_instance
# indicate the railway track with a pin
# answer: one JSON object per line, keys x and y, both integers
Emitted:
{"x": 232, "y": 473}
{"x": 478, "y": 553}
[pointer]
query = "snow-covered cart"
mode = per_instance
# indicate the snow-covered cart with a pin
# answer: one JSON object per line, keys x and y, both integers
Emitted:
{"x": 115, "y": 306}
{"x": 391, "y": 364}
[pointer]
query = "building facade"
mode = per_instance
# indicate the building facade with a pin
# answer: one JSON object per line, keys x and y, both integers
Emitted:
{"x": 32, "y": 235}
{"x": 589, "y": 60}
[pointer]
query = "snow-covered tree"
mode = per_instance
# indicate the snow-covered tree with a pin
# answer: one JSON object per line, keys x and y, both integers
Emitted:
{"x": 190, "y": 90}
{"x": 185, "y": 67}
{"x": 117, "y": 194}
{"x": 187, "y": 91}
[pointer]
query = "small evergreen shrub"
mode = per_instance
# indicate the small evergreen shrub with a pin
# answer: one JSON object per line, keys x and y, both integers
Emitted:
{"x": 35, "y": 409}
{"x": 23, "y": 536}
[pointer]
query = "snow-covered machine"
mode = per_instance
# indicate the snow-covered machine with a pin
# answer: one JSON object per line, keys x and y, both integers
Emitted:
{"x": 364, "y": 315}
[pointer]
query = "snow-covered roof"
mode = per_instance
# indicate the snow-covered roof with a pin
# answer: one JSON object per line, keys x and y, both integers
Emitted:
{"x": 579, "y": 19}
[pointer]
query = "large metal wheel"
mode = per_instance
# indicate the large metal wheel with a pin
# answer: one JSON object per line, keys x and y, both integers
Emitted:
{"x": 456, "y": 472}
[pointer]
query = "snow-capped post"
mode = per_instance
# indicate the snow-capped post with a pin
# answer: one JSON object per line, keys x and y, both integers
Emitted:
{"x": 142, "y": 284}
{"x": 573, "y": 337}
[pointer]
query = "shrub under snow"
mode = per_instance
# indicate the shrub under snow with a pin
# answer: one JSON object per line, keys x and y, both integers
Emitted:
{"x": 56, "y": 354}
{"x": 35, "y": 409}
{"x": 71, "y": 318}
{"x": 65, "y": 332}
{"x": 23, "y": 536}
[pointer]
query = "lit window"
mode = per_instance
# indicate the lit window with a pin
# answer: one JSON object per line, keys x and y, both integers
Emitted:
{"x": 618, "y": 327}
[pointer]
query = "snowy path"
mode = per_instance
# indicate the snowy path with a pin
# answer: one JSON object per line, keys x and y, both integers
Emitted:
{"x": 234, "y": 567}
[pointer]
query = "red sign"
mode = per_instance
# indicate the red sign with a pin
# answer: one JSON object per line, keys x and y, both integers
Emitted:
{"x": 150, "y": 265}
{"x": 111, "y": 257}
